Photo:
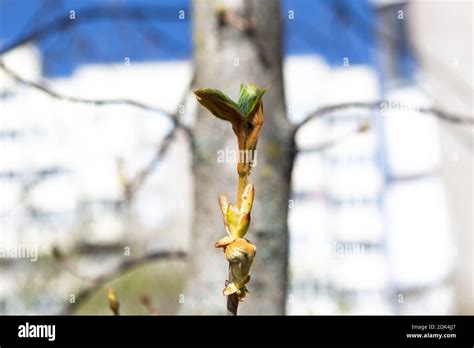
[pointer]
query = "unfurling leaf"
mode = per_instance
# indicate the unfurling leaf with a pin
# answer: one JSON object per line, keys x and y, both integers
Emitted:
{"x": 250, "y": 99}
{"x": 246, "y": 116}
{"x": 219, "y": 105}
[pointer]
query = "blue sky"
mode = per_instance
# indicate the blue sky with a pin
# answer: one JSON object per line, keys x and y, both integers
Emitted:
{"x": 333, "y": 29}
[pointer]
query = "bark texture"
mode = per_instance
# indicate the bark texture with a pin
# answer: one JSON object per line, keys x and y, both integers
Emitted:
{"x": 227, "y": 55}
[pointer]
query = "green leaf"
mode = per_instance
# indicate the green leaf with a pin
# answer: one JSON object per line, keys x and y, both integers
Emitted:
{"x": 249, "y": 100}
{"x": 219, "y": 104}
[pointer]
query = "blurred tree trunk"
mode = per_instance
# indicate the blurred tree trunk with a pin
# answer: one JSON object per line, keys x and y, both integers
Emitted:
{"x": 225, "y": 57}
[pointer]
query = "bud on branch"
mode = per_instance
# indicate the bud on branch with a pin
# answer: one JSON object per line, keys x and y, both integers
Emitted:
{"x": 246, "y": 118}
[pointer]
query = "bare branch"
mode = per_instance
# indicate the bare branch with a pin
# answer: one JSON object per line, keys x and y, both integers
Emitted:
{"x": 174, "y": 117}
{"x": 232, "y": 299}
{"x": 440, "y": 114}
{"x": 145, "y": 300}
{"x": 364, "y": 127}
{"x": 69, "y": 266}
{"x": 119, "y": 270}
{"x": 41, "y": 87}
{"x": 142, "y": 175}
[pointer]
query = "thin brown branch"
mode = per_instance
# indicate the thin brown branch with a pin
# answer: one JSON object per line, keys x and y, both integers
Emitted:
{"x": 117, "y": 271}
{"x": 41, "y": 87}
{"x": 364, "y": 127}
{"x": 64, "y": 261}
{"x": 131, "y": 186}
{"x": 143, "y": 174}
{"x": 145, "y": 300}
{"x": 172, "y": 116}
{"x": 233, "y": 299}
{"x": 136, "y": 182}
{"x": 389, "y": 105}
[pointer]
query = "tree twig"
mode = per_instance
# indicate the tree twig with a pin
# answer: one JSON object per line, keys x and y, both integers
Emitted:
{"x": 130, "y": 187}
{"x": 114, "y": 273}
{"x": 142, "y": 175}
{"x": 233, "y": 299}
{"x": 41, "y": 87}
{"x": 145, "y": 300}
{"x": 390, "y": 105}
{"x": 364, "y": 127}
{"x": 69, "y": 266}
{"x": 174, "y": 117}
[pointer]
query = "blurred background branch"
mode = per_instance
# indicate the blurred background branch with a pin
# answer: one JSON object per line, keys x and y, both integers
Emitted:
{"x": 381, "y": 106}
{"x": 172, "y": 116}
{"x": 100, "y": 281}
{"x": 130, "y": 186}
